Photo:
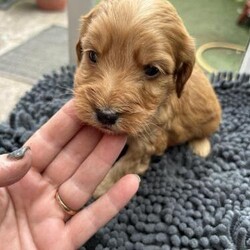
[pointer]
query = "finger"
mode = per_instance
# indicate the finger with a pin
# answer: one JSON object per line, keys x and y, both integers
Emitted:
{"x": 72, "y": 155}
{"x": 12, "y": 170}
{"x": 79, "y": 188}
{"x": 86, "y": 222}
{"x": 47, "y": 142}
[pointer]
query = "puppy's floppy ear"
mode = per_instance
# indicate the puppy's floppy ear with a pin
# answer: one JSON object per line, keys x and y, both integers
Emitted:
{"x": 184, "y": 65}
{"x": 182, "y": 74}
{"x": 79, "y": 52}
{"x": 85, "y": 21}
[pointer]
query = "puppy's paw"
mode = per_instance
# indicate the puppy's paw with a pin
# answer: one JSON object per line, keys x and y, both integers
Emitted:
{"x": 201, "y": 147}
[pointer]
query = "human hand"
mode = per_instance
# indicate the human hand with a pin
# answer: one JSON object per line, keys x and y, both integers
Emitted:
{"x": 70, "y": 158}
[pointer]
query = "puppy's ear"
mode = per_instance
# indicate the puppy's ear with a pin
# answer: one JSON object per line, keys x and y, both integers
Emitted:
{"x": 85, "y": 21}
{"x": 79, "y": 52}
{"x": 182, "y": 73}
{"x": 182, "y": 45}
{"x": 185, "y": 60}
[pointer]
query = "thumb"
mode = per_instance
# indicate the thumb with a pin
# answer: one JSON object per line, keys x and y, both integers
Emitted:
{"x": 14, "y": 166}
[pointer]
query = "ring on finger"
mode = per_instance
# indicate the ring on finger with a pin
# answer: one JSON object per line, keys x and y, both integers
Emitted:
{"x": 64, "y": 207}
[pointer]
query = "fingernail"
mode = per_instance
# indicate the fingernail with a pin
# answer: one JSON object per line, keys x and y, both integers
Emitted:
{"x": 18, "y": 154}
{"x": 138, "y": 177}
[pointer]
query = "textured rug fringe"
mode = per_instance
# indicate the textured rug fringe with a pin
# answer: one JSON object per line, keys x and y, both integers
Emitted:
{"x": 184, "y": 202}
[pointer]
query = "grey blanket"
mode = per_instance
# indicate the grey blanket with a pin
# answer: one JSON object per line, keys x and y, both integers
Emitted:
{"x": 184, "y": 201}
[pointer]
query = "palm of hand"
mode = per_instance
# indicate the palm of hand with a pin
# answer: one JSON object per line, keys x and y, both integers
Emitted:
{"x": 34, "y": 216}
{"x": 72, "y": 159}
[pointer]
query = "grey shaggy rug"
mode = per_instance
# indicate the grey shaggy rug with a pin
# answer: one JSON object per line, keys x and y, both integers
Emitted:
{"x": 184, "y": 201}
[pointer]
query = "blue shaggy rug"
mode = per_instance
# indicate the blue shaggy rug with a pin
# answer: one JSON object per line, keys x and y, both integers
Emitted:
{"x": 184, "y": 201}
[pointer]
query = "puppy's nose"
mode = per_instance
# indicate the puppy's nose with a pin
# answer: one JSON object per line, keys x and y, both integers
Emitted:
{"x": 107, "y": 116}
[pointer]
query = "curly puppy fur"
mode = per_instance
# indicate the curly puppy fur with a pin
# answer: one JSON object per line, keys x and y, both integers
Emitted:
{"x": 136, "y": 75}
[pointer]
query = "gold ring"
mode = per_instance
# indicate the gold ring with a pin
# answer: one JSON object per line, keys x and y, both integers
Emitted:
{"x": 65, "y": 208}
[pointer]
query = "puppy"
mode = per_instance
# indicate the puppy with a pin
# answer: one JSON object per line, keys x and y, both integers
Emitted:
{"x": 136, "y": 75}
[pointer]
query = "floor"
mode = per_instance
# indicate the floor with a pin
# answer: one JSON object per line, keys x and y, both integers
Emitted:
{"x": 24, "y": 20}
{"x": 18, "y": 24}
{"x": 216, "y": 21}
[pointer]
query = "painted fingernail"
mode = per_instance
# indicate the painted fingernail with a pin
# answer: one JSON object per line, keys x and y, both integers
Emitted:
{"x": 138, "y": 177}
{"x": 18, "y": 154}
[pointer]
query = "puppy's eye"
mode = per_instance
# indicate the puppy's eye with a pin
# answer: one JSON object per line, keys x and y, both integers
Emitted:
{"x": 151, "y": 71}
{"x": 92, "y": 56}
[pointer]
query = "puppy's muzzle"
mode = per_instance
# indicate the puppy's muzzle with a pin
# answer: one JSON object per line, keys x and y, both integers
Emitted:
{"x": 107, "y": 116}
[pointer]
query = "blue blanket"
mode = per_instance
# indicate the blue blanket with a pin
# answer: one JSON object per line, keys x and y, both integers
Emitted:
{"x": 184, "y": 201}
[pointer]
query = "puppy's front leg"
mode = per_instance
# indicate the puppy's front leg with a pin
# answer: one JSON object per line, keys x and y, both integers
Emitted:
{"x": 135, "y": 161}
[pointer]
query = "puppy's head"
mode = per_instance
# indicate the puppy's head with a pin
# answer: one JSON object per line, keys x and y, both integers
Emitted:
{"x": 132, "y": 55}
